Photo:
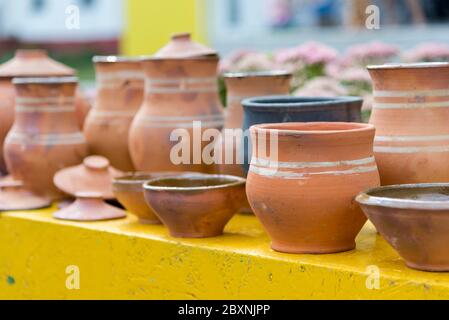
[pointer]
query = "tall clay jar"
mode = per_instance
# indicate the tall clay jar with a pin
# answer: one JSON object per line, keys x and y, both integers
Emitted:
{"x": 303, "y": 179}
{"x": 181, "y": 102}
{"x": 239, "y": 86}
{"x": 120, "y": 85}
{"x": 45, "y": 136}
{"x": 411, "y": 112}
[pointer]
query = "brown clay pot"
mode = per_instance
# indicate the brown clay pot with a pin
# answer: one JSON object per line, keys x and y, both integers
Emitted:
{"x": 414, "y": 219}
{"x": 195, "y": 206}
{"x": 29, "y": 63}
{"x": 89, "y": 206}
{"x": 303, "y": 192}
{"x": 45, "y": 136}
{"x": 94, "y": 175}
{"x": 410, "y": 112}
{"x": 120, "y": 85}
{"x": 13, "y": 196}
{"x": 128, "y": 189}
{"x": 181, "y": 88}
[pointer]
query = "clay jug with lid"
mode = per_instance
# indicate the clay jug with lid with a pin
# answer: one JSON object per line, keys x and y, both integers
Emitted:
{"x": 120, "y": 85}
{"x": 181, "y": 102}
{"x": 45, "y": 136}
{"x": 410, "y": 113}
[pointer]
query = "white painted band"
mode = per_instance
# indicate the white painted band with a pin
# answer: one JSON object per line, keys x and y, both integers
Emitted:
{"x": 411, "y": 105}
{"x": 46, "y": 100}
{"x": 120, "y": 76}
{"x": 46, "y": 139}
{"x": 174, "y": 125}
{"x": 151, "y": 118}
{"x": 119, "y": 85}
{"x": 301, "y": 165}
{"x": 424, "y": 149}
{"x": 410, "y": 93}
{"x": 46, "y": 109}
{"x": 207, "y": 89}
{"x": 410, "y": 138}
{"x": 182, "y": 81}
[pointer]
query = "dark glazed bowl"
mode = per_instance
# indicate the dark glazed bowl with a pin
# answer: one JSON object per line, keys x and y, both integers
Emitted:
{"x": 276, "y": 109}
{"x": 414, "y": 219}
{"x": 196, "y": 206}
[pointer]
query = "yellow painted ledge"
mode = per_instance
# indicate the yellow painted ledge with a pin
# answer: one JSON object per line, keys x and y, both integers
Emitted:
{"x": 124, "y": 260}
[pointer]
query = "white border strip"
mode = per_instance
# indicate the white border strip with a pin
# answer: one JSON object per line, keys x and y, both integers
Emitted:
{"x": 271, "y": 173}
{"x": 410, "y": 93}
{"x": 301, "y": 165}
{"x": 46, "y": 139}
{"x": 46, "y": 100}
{"x": 410, "y": 138}
{"x": 411, "y": 105}
{"x": 423, "y": 149}
{"x": 47, "y": 109}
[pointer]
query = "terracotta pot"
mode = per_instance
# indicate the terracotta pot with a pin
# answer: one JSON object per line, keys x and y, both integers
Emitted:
{"x": 28, "y": 63}
{"x": 128, "y": 190}
{"x": 13, "y": 196}
{"x": 120, "y": 85}
{"x": 45, "y": 136}
{"x": 195, "y": 206}
{"x": 414, "y": 219}
{"x": 410, "y": 112}
{"x": 89, "y": 207}
{"x": 180, "y": 89}
{"x": 94, "y": 175}
{"x": 303, "y": 191}
{"x": 296, "y": 109}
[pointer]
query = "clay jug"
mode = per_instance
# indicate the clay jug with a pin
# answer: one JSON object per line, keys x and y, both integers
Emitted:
{"x": 45, "y": 136}
{"x": 411, "y": 112}
{"x": 181, "y": 102}
{"x": 239, "y": 86}
{"x": 120, "y": 86}
{"x": 303, "y": 179}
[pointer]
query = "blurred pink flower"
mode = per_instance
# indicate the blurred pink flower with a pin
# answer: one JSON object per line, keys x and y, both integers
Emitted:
{"x": 354, "y": 74}
{"x": 307, "y": 53}
{"x": 322, "y": 87}
{"x": 370, "y": 53}
{"x": 428, "y": 52}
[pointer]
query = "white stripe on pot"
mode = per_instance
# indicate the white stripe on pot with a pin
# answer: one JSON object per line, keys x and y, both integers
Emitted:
{"x": 46, "y": 139}
{"x": 208, "y": 89}
{"x": 300, "y": 165}
{"x": 114, "y": 113}
{"x": 411, "y": 93}
{"x": 120, "y": 76}
{"x": 45, "y": 100}
{"x": 174, "y": 125}
{"x": 181, "y": 81}
{"x": 411, "y": 149}
{"x": 47, "y": 109}
{"x": 411, "y": 138}
{"x": 411, "y": 105}
{"x": 151, "y": 118}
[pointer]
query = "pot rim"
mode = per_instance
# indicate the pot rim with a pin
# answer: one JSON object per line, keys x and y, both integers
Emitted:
{"x": 211, "y": 57}
{"x": 365, "y": 198}
{"x": 356, "y": 127}
{"x": 114, "y": 59}
{"x": 285, "y": 101}
{"x": 44, "y": 80}
{"x": 257, "y": 74}
{"x": 140, "y": 177}
{"x": 231, "y": 181}
{"x": 415, "y": 65}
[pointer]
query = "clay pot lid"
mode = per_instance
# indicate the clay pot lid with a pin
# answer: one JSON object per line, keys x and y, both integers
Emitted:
{"x": 181, "y": 46}
{"x": 257, "y": 74}
{"x": 115, "y": 59}
{"x": 94, "y": 175}
{"x": 13, "y": 196}
{"x": 89, "y": 206}
{"x": 29, "y": 63}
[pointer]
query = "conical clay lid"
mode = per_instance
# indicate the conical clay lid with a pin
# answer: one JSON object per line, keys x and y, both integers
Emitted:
{"x": 181, "y": 46}
{"x": 13, "y": 196}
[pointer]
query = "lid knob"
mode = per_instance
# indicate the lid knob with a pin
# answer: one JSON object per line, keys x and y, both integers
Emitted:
{"x": 96, "y": 162}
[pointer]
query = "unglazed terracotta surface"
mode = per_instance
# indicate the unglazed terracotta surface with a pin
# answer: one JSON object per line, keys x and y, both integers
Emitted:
{"x": 13, "y": 196}
{"x": 94, "y": 175}
{"x": 120, "y": 87}
{"x": 414, "y": 219}
{"x": 45, "y": 136}
{"x": 180, "y": 94}
{"x": 89, "y": 207}
{"x": 410, "y": 113}
{"x": 195, "y": 206}
{"x": 304, "y": 195}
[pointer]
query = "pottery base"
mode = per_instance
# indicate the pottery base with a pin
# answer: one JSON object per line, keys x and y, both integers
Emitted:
{"x": 322, "y": 250}
{"x": 427, "y": 268}
{"x": 195, "y": 235}
{"x": 149, "y": 221}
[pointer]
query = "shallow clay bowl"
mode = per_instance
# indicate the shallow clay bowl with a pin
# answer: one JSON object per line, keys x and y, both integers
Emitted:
{"x": 128, "y": 189}
{"x": 196, "y": 206}
{"x": 414, "y": 219}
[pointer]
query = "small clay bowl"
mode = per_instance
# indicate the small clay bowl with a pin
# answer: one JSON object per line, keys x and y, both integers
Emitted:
{"x": 197, "y": 206}
{"x": 414, "y": 219}
{"x": 128, "y": 189}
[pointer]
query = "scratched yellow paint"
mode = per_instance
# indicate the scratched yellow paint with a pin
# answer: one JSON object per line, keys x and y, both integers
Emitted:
{"x": 122, "y": 259}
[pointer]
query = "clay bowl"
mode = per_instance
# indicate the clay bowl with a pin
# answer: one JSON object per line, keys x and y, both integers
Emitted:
{"x": 196, "y": 206}
{"x": 128, "y": 189}
{"x": 414, "y": 219}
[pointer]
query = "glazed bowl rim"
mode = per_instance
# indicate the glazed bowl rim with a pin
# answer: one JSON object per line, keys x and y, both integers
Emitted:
{"x": 357, "y": 127}
{"x": 116, "y": 58}
{"x": 255, "y": 74}
{"x": 365, "y": 198}
{"x": 45, "y": 80}
{"x": 414, "y": 65}
{"x": 127, "y": 177}
{"x": 286, "y": 101}
{"x": 232, "y": 181}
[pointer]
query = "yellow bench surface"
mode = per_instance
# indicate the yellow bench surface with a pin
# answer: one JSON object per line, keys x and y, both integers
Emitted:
{"x": 40, "y": 256}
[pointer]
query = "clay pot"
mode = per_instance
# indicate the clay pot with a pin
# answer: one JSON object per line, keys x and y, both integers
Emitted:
{"x": 94, "y": 175}
{"x": 128, "y": 190}
{"x": 13, "y": 196}
{"x": 195, "y": 206}
{"x": 242, "y": 85}
{"x": 296, "y": 109}
{"x": 181, "y": 102}
{"x": 410, "y": 112}
{"x": 414, "y": 219}
{"x": 45, "y": 136}
{"x": 303, "y": 191}
{"x": 89, "y": 207}
{"x": 28, "y": 63}
{"x": 120, "y": 85}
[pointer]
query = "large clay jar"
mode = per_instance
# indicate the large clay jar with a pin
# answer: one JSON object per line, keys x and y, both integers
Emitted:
{"x": 239, "y": 86}
{"x": 303, "y": 180}
{"x": 45, "y": 136}
{"x": 29, "y": 63}
{"x": 181, "y": 102}
{"x": 120, "y": 86}
{"x": 411, "y": 112}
